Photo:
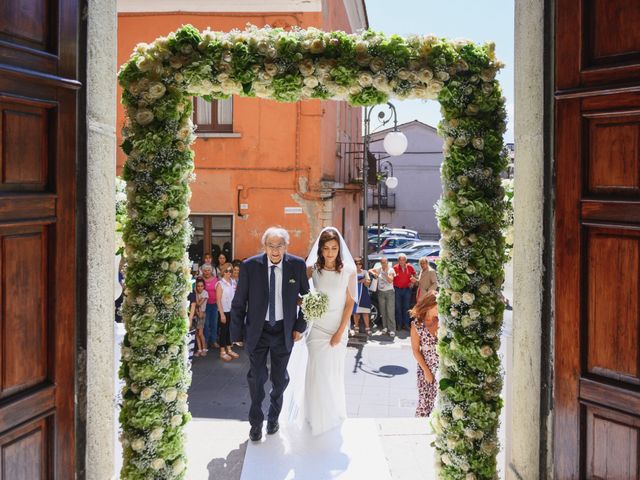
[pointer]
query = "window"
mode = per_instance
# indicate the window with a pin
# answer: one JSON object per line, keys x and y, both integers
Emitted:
{"x": 211, "y": 234}
{"x": 213, "y": 117}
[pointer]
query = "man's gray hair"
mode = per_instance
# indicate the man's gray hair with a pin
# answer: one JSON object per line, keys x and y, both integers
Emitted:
{"x": 275, "y": 232}
{"x": 402, "y": 255}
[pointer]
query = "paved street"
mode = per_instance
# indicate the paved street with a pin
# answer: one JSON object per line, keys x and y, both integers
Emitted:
{"x": 380, "y": 378}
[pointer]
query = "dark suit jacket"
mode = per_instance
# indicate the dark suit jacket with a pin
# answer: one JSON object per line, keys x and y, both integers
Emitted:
{"x": 251, "y": 300}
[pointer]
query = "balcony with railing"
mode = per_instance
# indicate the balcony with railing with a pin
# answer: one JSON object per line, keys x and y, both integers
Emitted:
{"x": 385, "y": 200}
{"x": 349, "y": 164}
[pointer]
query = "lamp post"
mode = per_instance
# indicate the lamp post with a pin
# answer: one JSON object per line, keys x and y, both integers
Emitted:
{"x": 391, "y": 182}
{"x": 395, "y": 143}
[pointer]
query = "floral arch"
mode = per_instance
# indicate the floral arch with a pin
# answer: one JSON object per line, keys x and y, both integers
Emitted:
{"x": 367, "y": 68}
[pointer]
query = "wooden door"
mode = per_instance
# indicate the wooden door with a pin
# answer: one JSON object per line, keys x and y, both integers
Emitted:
{"x": 597, "y": 240}
{"x": 38, "y": 89}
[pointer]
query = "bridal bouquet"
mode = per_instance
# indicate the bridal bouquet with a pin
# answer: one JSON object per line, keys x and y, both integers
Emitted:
{"x": 314, "y": 305}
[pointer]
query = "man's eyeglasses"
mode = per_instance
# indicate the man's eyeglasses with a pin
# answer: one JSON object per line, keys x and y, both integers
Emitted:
{"x": 280, "y": 246}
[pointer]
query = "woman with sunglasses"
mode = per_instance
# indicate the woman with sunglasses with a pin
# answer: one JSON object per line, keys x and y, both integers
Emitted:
{"x": 225, "y": 290}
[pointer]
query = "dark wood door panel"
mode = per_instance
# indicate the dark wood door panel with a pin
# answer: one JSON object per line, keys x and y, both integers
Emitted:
{"x": 613, "y": 154}
{"x": 24, "y": 452}
{"x": 38, "y": 157}
{"x": 612, "y": 313}
{"x": 597, "y": 43}
{"x": 24, "y": 334}
{"x": 612, "y": 444}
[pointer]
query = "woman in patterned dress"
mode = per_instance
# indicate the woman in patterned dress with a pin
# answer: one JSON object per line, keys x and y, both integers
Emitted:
{"x": 424, "y": 339}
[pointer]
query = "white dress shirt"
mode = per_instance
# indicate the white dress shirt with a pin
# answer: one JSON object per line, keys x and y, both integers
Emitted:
{"x": 278, "y": 273}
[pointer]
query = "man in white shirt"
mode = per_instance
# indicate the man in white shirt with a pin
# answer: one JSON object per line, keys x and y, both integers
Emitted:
{"x": 266, "y": 301}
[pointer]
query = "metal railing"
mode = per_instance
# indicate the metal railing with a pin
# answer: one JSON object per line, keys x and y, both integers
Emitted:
{"x": 387, "y": 201}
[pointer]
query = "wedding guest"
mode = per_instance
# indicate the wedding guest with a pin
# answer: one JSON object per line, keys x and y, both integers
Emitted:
{"x": 402, "y": 283}
{"x": 427, "y": 279}
{"x": 236, "y": 271}
{"x": 222, "y": 259}
{"x": 225, "y": 290}
{"x": 386, "y": 297}
{"x": 211, "y": 320}
{"x": 206, "y": 261}
{"x": 197, "y": 315}
{"x": 363, "y": 307}
{"x": 424, "y": 339}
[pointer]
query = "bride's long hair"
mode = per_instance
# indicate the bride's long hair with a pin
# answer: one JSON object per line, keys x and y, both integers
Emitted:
{"x": 325, "y": 237}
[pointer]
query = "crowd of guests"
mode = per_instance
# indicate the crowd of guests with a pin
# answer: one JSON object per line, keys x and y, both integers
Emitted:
{"x": 210, "y": 304}
{"x": 394, "y": 287}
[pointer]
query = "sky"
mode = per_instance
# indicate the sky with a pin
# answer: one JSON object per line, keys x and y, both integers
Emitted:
{"x": 479, "y": 21}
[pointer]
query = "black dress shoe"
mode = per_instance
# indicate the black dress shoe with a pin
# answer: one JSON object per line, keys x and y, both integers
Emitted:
{"x": 272, "y": 427}
{"x": 255, "y": 434}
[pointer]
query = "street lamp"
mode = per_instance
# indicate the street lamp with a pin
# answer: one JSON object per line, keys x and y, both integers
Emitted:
{"x": 391, "y": 182}
{"x": 395, "y": 143}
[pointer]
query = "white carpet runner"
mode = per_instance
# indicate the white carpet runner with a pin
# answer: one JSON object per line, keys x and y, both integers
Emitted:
{"x": 352, "y": 452}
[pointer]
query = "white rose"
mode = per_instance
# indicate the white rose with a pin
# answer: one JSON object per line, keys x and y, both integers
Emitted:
{"x": 184, "y": 133}
{"x": 473, "y": 313}
{"x": 486, "y": 351}
{"x": 157, "y": 90}
{"x": 425, "y": 75}
{"x": 182, "y": 397}
{"x": 146, "y": 393}
{"x": 468, "y": 298}
{"x": 156, "y": 434}
{"x": 172, "y": 212}
{"x": 144, "y": 116}
{"x": 174, "y": 349}
{"x": 442, "y": 76}
{"x": 161, "y": 340}
{"x": 137, "y": 445}
{"x": 271, "y": 69}
{"x": 467, "y": 321}
{"x": 470, "y": 476}
{"x": 168, "y": 299}
{"x": 448, "y": 362}
{"x": 176, "y": 420}
{"x": 454, "y": 312}
{"x": 478, "y": 143}
{"x": 310, "y": 82}
{"x": 150, "y": 310}
{"x": 456, "y": 297}
{"x": 452, "y": 443}
{"x": 306, "y": 67}
{"x": 454, "y": 221}
{"x": 183, "y": 407}
{"x": 157, "y": 464}
{"x": 445, "y": 459}
{"x": 134, "y": 388}
{"x": 169, "y": 395}
{"x": 489, "y": 319}
{"x": 174, "y": 266}
{"x": 376, "y": 65}
{"x": 484, "y": 289}
{"x": 464, "y": 466}
{"x": 365, "y": 79}
{"x": 457, "y": 413}
{"x": 178, "y": 467}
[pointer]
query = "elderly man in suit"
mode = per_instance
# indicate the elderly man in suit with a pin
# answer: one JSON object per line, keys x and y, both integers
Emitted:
{"x": 266, "y": 302}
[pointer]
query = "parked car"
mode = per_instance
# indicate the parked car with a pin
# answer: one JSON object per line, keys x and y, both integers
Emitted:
{"x": 372, "y": 230}
{"x": 432, "y": 253}
{"x": 400, "y": 232}
{"x": 411, "y": 247}
{"x": 381, "y": 242}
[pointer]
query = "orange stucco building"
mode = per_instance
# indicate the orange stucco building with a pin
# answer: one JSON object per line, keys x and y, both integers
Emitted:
{"x": 260, "y": 162}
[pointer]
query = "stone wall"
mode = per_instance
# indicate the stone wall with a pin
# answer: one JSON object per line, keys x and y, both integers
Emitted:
{"x": 101, "y": 163}
{"x": 523, "y": 431}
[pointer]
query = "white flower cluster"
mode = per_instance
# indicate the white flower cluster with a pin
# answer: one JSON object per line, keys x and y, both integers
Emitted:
{"x": 314, "y": 305}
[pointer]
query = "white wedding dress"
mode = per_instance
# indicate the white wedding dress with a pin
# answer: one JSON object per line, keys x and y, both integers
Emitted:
{"x": 324, "y": 397}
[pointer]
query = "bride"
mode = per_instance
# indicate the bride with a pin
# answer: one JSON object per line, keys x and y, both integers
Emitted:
{"x": 323, "y": 404}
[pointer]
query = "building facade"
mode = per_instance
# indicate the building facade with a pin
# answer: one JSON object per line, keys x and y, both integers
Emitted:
{"x": 258, "y": 162}
{"x": 412, "y": 203}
